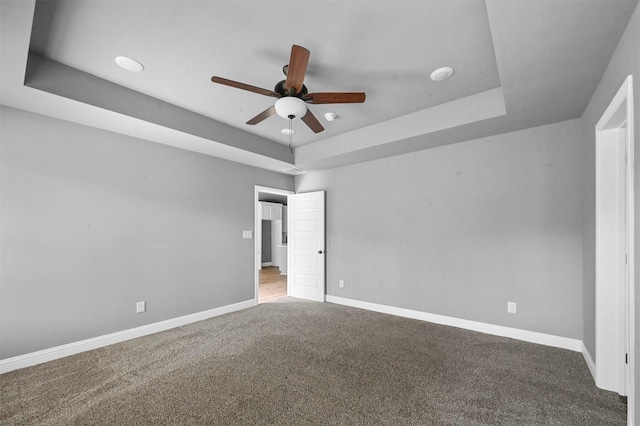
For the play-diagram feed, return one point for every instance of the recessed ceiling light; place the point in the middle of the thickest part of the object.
(330, 116)
(288, 132)
(129, 64)
(442, 74)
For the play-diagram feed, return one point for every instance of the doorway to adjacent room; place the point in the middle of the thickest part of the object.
(271, 244)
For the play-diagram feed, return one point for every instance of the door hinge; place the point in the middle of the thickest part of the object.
(626, 358)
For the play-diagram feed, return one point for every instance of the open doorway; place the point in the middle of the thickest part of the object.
(271, 249)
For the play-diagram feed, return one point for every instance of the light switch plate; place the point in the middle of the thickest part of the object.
(247, 234)
(141, 307)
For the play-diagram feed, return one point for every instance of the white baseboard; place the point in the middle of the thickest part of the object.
(589, 360)
(497, 330)
(57, 352)
(267, 263)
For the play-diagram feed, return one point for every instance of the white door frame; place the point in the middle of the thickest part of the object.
(257, 232)
(614, 302)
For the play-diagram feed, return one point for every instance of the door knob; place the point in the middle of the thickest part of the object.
(319, 251)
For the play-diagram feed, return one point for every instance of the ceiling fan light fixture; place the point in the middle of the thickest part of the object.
(288, 132)
(441, 74)
(291, 107)
(129, 64)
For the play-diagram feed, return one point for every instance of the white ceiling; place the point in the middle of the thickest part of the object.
(518, 64)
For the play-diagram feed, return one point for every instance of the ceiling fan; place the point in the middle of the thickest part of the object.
(293, 95)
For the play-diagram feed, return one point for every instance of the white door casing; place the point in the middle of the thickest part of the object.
(307, 246)
(615, 315)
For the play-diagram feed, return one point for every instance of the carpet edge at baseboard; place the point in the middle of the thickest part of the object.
(50, 354)
(496, 330)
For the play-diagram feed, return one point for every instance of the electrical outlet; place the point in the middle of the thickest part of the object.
(141, 307)
(511, 307)
(341, 283)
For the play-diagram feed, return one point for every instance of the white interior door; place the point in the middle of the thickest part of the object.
(306, 246)
(610, 262)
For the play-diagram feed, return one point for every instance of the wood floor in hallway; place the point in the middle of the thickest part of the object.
(273, 285)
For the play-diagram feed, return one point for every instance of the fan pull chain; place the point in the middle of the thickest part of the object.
(291, 134)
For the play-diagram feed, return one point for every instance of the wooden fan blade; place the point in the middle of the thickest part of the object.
(243, 86)
(335, 98)
(297, 68)
(263, 115)
(312, 122)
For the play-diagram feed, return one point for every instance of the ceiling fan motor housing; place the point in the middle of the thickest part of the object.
(281, 89)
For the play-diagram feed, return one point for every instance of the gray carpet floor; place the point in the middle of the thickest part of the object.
(302, 363)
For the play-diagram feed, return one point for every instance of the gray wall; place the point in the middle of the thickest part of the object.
(94, 221)
(461, 230)
(625, 61)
